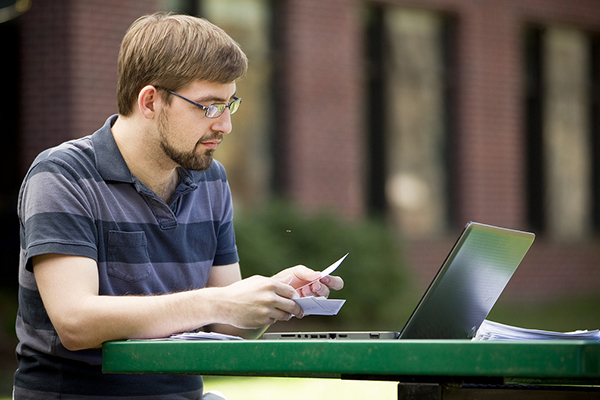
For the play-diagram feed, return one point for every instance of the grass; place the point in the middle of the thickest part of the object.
(300, 388)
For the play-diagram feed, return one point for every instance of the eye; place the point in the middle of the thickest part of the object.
(213, 110)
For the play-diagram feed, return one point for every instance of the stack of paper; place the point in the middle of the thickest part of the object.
(195, 336)
(203, 336)
(494, 331)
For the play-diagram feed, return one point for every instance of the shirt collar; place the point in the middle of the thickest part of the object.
(109, 161)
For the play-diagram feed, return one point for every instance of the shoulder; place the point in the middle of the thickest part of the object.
(59, 172)
(75, 158)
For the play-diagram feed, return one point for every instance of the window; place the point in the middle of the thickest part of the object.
(409, 118)
(560, 77)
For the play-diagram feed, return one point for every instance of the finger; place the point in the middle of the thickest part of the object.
(291, 308)
(306, 291)
(279, 315)
(319, 289)
(299, 312)
(287, 279)
(333, 282)
(303, 275)
(300, 274)
(284, 290)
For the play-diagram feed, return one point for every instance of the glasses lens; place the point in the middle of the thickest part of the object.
(214, 110)
(234, 105)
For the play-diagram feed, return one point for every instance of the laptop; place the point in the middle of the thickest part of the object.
(462, 293)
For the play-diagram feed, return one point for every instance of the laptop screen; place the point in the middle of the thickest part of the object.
(468, 284)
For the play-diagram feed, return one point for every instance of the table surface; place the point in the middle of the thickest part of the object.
(546, 361)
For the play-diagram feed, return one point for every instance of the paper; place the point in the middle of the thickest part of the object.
(321, 305)
(490, 330)
(203, 336)
(196, 336)
(326, 271)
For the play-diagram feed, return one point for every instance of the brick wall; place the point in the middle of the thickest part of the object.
(69, 68)
(324, 160)
(45, 71)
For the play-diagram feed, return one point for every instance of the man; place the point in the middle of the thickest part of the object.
(128, 233)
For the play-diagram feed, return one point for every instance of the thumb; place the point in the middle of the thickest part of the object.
(287, 279)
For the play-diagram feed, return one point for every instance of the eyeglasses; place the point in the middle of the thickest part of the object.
(214, 110)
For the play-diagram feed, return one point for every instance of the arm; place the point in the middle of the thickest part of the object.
(83, 319)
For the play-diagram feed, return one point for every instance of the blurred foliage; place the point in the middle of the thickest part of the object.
(560, 314)
(278, 236)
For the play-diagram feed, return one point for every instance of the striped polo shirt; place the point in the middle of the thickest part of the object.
(81, 199)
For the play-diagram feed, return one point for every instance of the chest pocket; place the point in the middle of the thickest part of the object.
(128, 256)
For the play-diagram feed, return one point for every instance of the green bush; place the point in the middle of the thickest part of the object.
(278, 236)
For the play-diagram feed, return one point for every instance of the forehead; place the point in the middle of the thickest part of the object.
(209, 91)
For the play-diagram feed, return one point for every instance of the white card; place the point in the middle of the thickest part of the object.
(320, 305)
(326, 271)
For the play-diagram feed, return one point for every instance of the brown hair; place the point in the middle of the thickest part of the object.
(172, 51)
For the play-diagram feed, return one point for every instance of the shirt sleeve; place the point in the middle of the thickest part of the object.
(55, 214)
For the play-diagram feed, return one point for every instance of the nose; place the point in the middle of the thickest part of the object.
(222, 123)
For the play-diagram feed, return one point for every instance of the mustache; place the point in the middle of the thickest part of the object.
(211, 137)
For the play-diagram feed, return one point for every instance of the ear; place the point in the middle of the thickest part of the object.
(149, 101)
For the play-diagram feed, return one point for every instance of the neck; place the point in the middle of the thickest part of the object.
(143, 159)
(165, 189)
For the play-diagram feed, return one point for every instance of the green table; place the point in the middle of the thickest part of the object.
(431, 369)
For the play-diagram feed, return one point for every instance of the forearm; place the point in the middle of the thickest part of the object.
(243, 309)
(97, 319)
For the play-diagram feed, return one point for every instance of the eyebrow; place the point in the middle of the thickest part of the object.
(214, 99)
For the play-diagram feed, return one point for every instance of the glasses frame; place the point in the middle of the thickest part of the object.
(204, 108)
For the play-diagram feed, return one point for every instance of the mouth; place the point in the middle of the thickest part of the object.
(211, 142)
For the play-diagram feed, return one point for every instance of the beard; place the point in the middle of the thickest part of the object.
(189, 160)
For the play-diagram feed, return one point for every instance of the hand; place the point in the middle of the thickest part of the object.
(299, 276)
(259, 301)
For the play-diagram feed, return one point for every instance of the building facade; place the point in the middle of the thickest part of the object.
(431, 113)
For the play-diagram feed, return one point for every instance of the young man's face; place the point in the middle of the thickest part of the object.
(187, 136)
